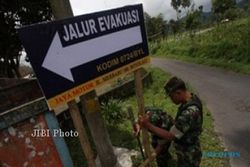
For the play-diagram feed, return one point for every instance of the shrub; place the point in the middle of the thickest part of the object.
(113, 111)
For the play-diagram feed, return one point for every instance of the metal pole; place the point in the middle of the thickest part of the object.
(132, 119)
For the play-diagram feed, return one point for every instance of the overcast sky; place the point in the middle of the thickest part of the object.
(153, 7)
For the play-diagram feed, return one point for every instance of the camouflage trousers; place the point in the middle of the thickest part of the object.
(163, 158)
(188, 156)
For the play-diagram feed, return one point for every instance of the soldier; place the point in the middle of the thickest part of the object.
(162, 120)
(187, 125)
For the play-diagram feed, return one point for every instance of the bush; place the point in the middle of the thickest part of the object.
(113, 111)
(233, 13)
(154, 46)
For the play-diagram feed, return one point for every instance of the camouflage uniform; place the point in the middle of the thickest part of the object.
(162, 120)
(187, 129)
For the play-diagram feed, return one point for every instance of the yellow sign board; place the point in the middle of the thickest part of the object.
(90, 85)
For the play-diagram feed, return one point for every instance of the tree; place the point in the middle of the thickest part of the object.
(149, 25)
(160, 24)
(13, 15)
(175, 26)
(219, 7)
(178, 4)
(247, 7)
(233, 13)
(156, 26)
(193, 20)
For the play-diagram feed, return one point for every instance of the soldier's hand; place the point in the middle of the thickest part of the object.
(144, 121)
(158, 149)
(137, 129)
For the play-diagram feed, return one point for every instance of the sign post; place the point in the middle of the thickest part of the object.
(78, 124)
(73, 56)
(140, 102)
(98, 129)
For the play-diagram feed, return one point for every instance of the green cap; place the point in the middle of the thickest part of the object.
(174, 84)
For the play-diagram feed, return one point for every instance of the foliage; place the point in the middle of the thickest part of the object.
(14, 14)
(178, 4)
(113, 111)
(76, 152)
(193, 20)
(156, 26)
(247, 7)
(74, 146)
(225, 46)
(219, 7)
(233, 13)
(175, 26)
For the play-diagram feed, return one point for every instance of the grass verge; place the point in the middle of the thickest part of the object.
(226, 46)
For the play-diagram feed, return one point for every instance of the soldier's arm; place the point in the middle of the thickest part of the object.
(184, 122)
(158, 149)
(144, 122)
(181, 126)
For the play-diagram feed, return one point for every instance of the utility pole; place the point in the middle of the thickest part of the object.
(61, 9)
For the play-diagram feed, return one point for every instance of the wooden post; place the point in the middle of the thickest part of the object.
(132, 119)
(140, 102)
(98, 129)
(147, 161)
(61, 9)
(77, 120)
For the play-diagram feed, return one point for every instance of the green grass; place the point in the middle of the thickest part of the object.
(75, 149)
(122, 135)
(226, 46)
(76, 152)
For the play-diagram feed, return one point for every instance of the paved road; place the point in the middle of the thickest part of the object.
(227, 96)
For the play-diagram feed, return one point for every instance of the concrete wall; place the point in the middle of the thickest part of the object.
(14, 92)
(23, 109)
